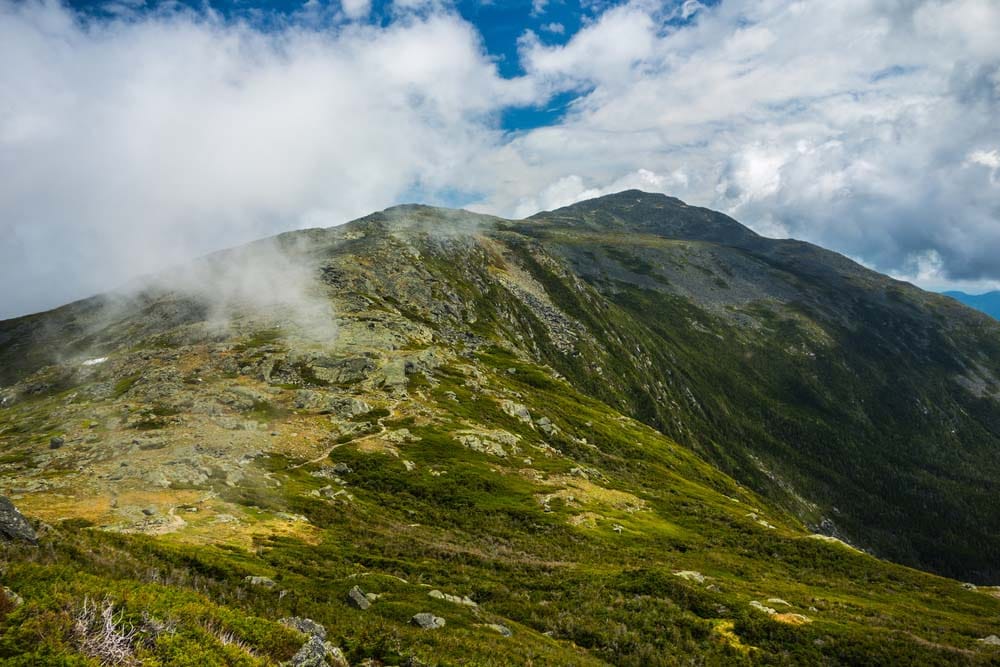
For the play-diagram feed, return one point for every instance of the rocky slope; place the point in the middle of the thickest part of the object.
(513, 427)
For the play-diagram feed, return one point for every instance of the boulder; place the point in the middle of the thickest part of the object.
(690, 575)
(340, 406)
(318, 653)
(454, 599)
(266, 582)
(56, 443)
(306, 626)
(12, 597)
(502, 629)
(358, 598)
(338, 371)
(427, 621)
(13, 526)
(516, 410)
(546, 426)
(991, 640)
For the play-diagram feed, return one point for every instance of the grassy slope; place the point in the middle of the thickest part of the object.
(572, 588)
(480, 530)
(851, 400)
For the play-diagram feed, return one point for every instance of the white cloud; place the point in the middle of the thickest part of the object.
(858, 125)
(356, 9)
(125, 145)
(988, 159)
(129, 145)
(615, 43)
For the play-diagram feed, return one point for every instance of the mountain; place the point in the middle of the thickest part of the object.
(629, 431)
(989, 302)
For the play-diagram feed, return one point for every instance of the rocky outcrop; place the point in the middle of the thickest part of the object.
(427, 621)
(454, 599)
(306, 626)
(316, 652)
(357, 598)
(497, 442)
(13, 526)
(691, 575)
(266, 582)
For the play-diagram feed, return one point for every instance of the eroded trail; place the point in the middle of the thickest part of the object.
(361, 438)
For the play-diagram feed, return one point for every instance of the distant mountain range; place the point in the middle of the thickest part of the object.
(989, 302)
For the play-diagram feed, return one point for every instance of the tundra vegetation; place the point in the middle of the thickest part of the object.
(627, 432)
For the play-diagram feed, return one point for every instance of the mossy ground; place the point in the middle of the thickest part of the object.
(572, 591)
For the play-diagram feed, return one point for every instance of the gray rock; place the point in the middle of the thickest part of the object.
(56, 443)
(149, 511)
(266, 582)
(339, 371)
(546, 426)
(306, 626)
(318, 653)
(357, 598)
(454, 599)
(343, 407)
(762, 607)
(502, 629)
(516, 410)
(13, 597)
(427, 621)
(992, 640)
(13, 525)
(690, 575)
(342, 468)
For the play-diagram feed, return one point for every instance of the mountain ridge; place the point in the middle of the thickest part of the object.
(646, 447)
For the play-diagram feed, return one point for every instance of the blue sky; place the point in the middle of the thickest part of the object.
(136, 135)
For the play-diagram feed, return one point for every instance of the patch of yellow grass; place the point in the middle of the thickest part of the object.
(724, 630)
(222, 523)
(582, 492)
(375, 445)
(791, 619)
(588, 519)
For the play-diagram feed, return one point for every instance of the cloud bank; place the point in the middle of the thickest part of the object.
(132, 143)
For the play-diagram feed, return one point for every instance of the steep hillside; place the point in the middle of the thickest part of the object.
(507, 425)
(867, 406)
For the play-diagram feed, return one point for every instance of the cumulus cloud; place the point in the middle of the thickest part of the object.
(356, 9)
(865, 126)
(132, 143)
(127, 145)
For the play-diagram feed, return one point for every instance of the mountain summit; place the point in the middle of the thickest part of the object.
(628, 431)
(637, 211)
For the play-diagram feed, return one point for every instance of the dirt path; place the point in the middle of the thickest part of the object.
(382, 429)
